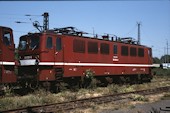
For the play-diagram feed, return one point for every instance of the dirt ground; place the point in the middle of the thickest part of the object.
(144, 108)
(155, 104)
(150, 104)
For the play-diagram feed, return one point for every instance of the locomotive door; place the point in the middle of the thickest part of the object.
(7, 56)
(59, 57)
(1, 55)
(7, 46)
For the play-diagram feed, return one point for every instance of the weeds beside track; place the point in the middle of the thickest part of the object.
(84, 103)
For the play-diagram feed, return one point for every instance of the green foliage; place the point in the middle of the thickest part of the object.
(89, 74)
(89, 79)
(161, 72)
(136, 97)
(8, 91)
(156, 60)
(126, 88)
(16, 53)
(6, 103)
(114, 88)
(41, 96)
(165, 59)
(93, 83)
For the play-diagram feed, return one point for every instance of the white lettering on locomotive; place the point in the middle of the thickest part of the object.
(115, 58)
(142, 69)
(134, 69)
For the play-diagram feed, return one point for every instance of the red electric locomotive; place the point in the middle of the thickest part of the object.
(64, 54)
(7, 62)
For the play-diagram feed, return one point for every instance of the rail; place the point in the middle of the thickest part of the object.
(82, 103)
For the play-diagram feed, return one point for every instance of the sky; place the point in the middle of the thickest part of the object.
(113, 17)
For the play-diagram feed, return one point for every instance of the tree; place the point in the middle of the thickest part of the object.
(156, 60)
(16, 53)
(165, 59)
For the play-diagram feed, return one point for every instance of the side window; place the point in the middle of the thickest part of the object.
(79, 46)
(7, 38)
(58, 44)
(104, 48)
(140, 52)
(92, 47)
(115, 49)
(132, 51)
(150, 52)
(49, 44)
(124, 50)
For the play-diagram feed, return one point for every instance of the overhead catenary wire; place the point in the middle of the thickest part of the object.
(32, 15)
(19, 22)
(130, 31)
(8, 14)
(17, 17)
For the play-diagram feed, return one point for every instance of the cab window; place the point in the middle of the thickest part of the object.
(34, 42)
(23, 43)
(58, 44)
(49, 43)
(7, 38)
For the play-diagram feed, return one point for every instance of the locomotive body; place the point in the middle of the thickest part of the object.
(7, 62)
(50, 56)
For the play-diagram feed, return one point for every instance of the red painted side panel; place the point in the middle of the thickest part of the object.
(72, 57)
(7, 49)
(47, 75)
(8, 75)
(71, 63)
(102, 71)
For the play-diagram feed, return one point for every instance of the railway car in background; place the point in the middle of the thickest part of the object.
(64, 54)
(7, 59)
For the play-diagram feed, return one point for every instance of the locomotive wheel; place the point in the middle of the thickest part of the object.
(139, 78)
(57, 87)
(109, 80)
(33, 85)
(47, 85)
(74, 84)
(145, 78)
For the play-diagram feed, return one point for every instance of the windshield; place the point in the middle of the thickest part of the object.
(7, 38)
(29, 42)
(34, 42)
(23, 43)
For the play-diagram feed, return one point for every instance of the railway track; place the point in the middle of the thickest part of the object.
(83, 103)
